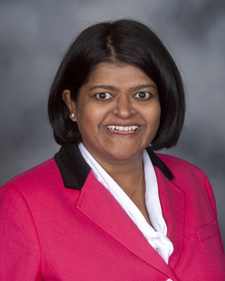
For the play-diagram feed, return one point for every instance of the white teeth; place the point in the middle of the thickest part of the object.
(121, 129)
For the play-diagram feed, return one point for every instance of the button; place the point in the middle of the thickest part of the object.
(157, 250)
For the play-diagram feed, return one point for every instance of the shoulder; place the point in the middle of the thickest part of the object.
(190, 178)
(39, 176)
(173, 162)
(181, 168)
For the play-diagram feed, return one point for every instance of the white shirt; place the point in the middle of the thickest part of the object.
(156, 236)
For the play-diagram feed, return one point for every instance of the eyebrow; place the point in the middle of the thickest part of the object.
(106, 87)
(140, 87)
(112, 88)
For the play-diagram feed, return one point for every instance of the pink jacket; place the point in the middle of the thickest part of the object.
(57, 222)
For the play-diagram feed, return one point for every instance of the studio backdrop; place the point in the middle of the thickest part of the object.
(34, 36)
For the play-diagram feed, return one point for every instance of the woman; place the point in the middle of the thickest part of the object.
(107, 207)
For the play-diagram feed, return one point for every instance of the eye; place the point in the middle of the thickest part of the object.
(103, 96)
(143, 95)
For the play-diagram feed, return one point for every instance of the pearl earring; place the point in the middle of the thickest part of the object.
(73, 115)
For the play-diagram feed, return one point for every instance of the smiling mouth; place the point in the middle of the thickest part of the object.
(122, 129)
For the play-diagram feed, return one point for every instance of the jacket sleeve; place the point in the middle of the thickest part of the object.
(213, 204)
(20, 255)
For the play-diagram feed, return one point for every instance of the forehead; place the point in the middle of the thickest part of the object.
(118, 73)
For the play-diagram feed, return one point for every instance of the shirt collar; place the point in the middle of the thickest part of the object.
(74, 169)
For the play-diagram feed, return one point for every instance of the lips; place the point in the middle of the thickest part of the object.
(122, 129)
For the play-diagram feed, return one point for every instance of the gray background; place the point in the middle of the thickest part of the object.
(34, 35)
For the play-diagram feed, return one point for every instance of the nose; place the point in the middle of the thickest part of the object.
(123, 108)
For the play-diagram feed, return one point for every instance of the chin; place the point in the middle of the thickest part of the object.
(123, 156)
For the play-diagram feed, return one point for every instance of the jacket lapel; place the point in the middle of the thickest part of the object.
(100, 207)
(173, 209)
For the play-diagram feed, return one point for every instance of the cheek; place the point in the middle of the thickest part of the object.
(153, 115)
(89, 117)
(158, 115)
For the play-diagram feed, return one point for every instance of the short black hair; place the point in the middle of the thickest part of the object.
(123, 41)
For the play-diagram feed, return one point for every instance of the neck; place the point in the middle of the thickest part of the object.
(125, 174)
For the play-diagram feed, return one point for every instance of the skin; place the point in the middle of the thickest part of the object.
(118, 95)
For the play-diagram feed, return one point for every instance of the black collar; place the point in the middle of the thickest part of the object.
(74, 169)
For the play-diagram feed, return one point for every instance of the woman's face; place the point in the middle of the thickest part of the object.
(117, 112)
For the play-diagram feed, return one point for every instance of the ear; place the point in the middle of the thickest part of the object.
(66, 96)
